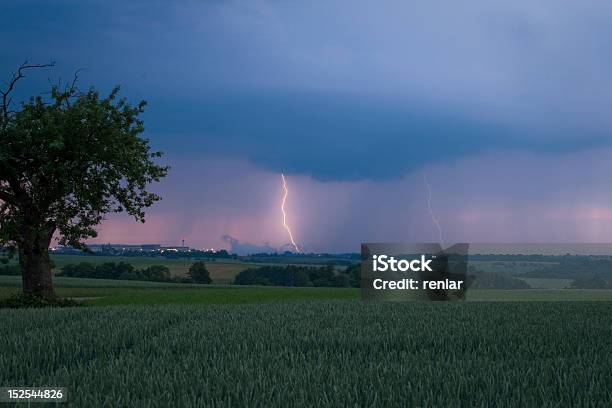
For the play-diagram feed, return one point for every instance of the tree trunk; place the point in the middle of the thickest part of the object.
(36, 265)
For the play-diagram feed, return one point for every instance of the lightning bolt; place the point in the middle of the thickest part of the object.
(431, 212)
(297, 249)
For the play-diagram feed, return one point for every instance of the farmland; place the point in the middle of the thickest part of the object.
(221, 271)
(316, 354)
(153, 344)
(116, 292)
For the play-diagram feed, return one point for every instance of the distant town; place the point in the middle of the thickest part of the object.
(141, 250)
(124, 248)
(184, 251)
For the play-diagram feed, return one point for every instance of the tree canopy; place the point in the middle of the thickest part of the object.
(65, 162)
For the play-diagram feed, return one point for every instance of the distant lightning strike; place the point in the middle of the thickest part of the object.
(431, 212)
(297, 249)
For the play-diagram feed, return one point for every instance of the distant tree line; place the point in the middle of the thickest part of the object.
(302, 258)
(125, 271)
(300, 276)
(579, 267)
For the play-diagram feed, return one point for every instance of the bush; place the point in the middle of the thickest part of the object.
(199, 273)
(158, 273)
(133, 275)
(120, 270)
(22, 301)
(80, 270)
(181, 279)
(303, 276)
(353, 272)
(342, 281)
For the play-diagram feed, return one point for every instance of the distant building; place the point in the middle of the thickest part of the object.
(150, 247)
(60, 249)
(175, 248)
(124, 247)
(120, 248)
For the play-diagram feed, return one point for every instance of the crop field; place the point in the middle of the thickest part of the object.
(325, 353)
(544, 283)
(117, 292)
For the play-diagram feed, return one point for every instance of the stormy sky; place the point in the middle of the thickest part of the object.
(505, 107)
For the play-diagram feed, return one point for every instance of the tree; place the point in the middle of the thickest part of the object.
(65, 162)
(158, 273)
(80, 270)
(199, 273)
(301, 278)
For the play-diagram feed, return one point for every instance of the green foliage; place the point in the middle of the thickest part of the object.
(65, 162)
(296, 275)
(327, 353)
(120, 270)
(158, 273)
(199, 273)
(353, 272)
(21, 301)
(68, 160)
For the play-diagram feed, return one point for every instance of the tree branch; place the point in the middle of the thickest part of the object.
(70, 89)
(11, 85)
(73, 87)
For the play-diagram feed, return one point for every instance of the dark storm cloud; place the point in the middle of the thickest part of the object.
(332, 136)
(338, 92)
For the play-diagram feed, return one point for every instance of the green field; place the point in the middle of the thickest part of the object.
(544, 283)
(150, 344)
(117, 292)
(325, 353)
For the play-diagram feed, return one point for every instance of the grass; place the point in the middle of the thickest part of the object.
(548, 283)
(209, 295)
(539, 295)
(225, 295)
(116, 292)
(326, 353)
(223, 345)
(62, 282)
